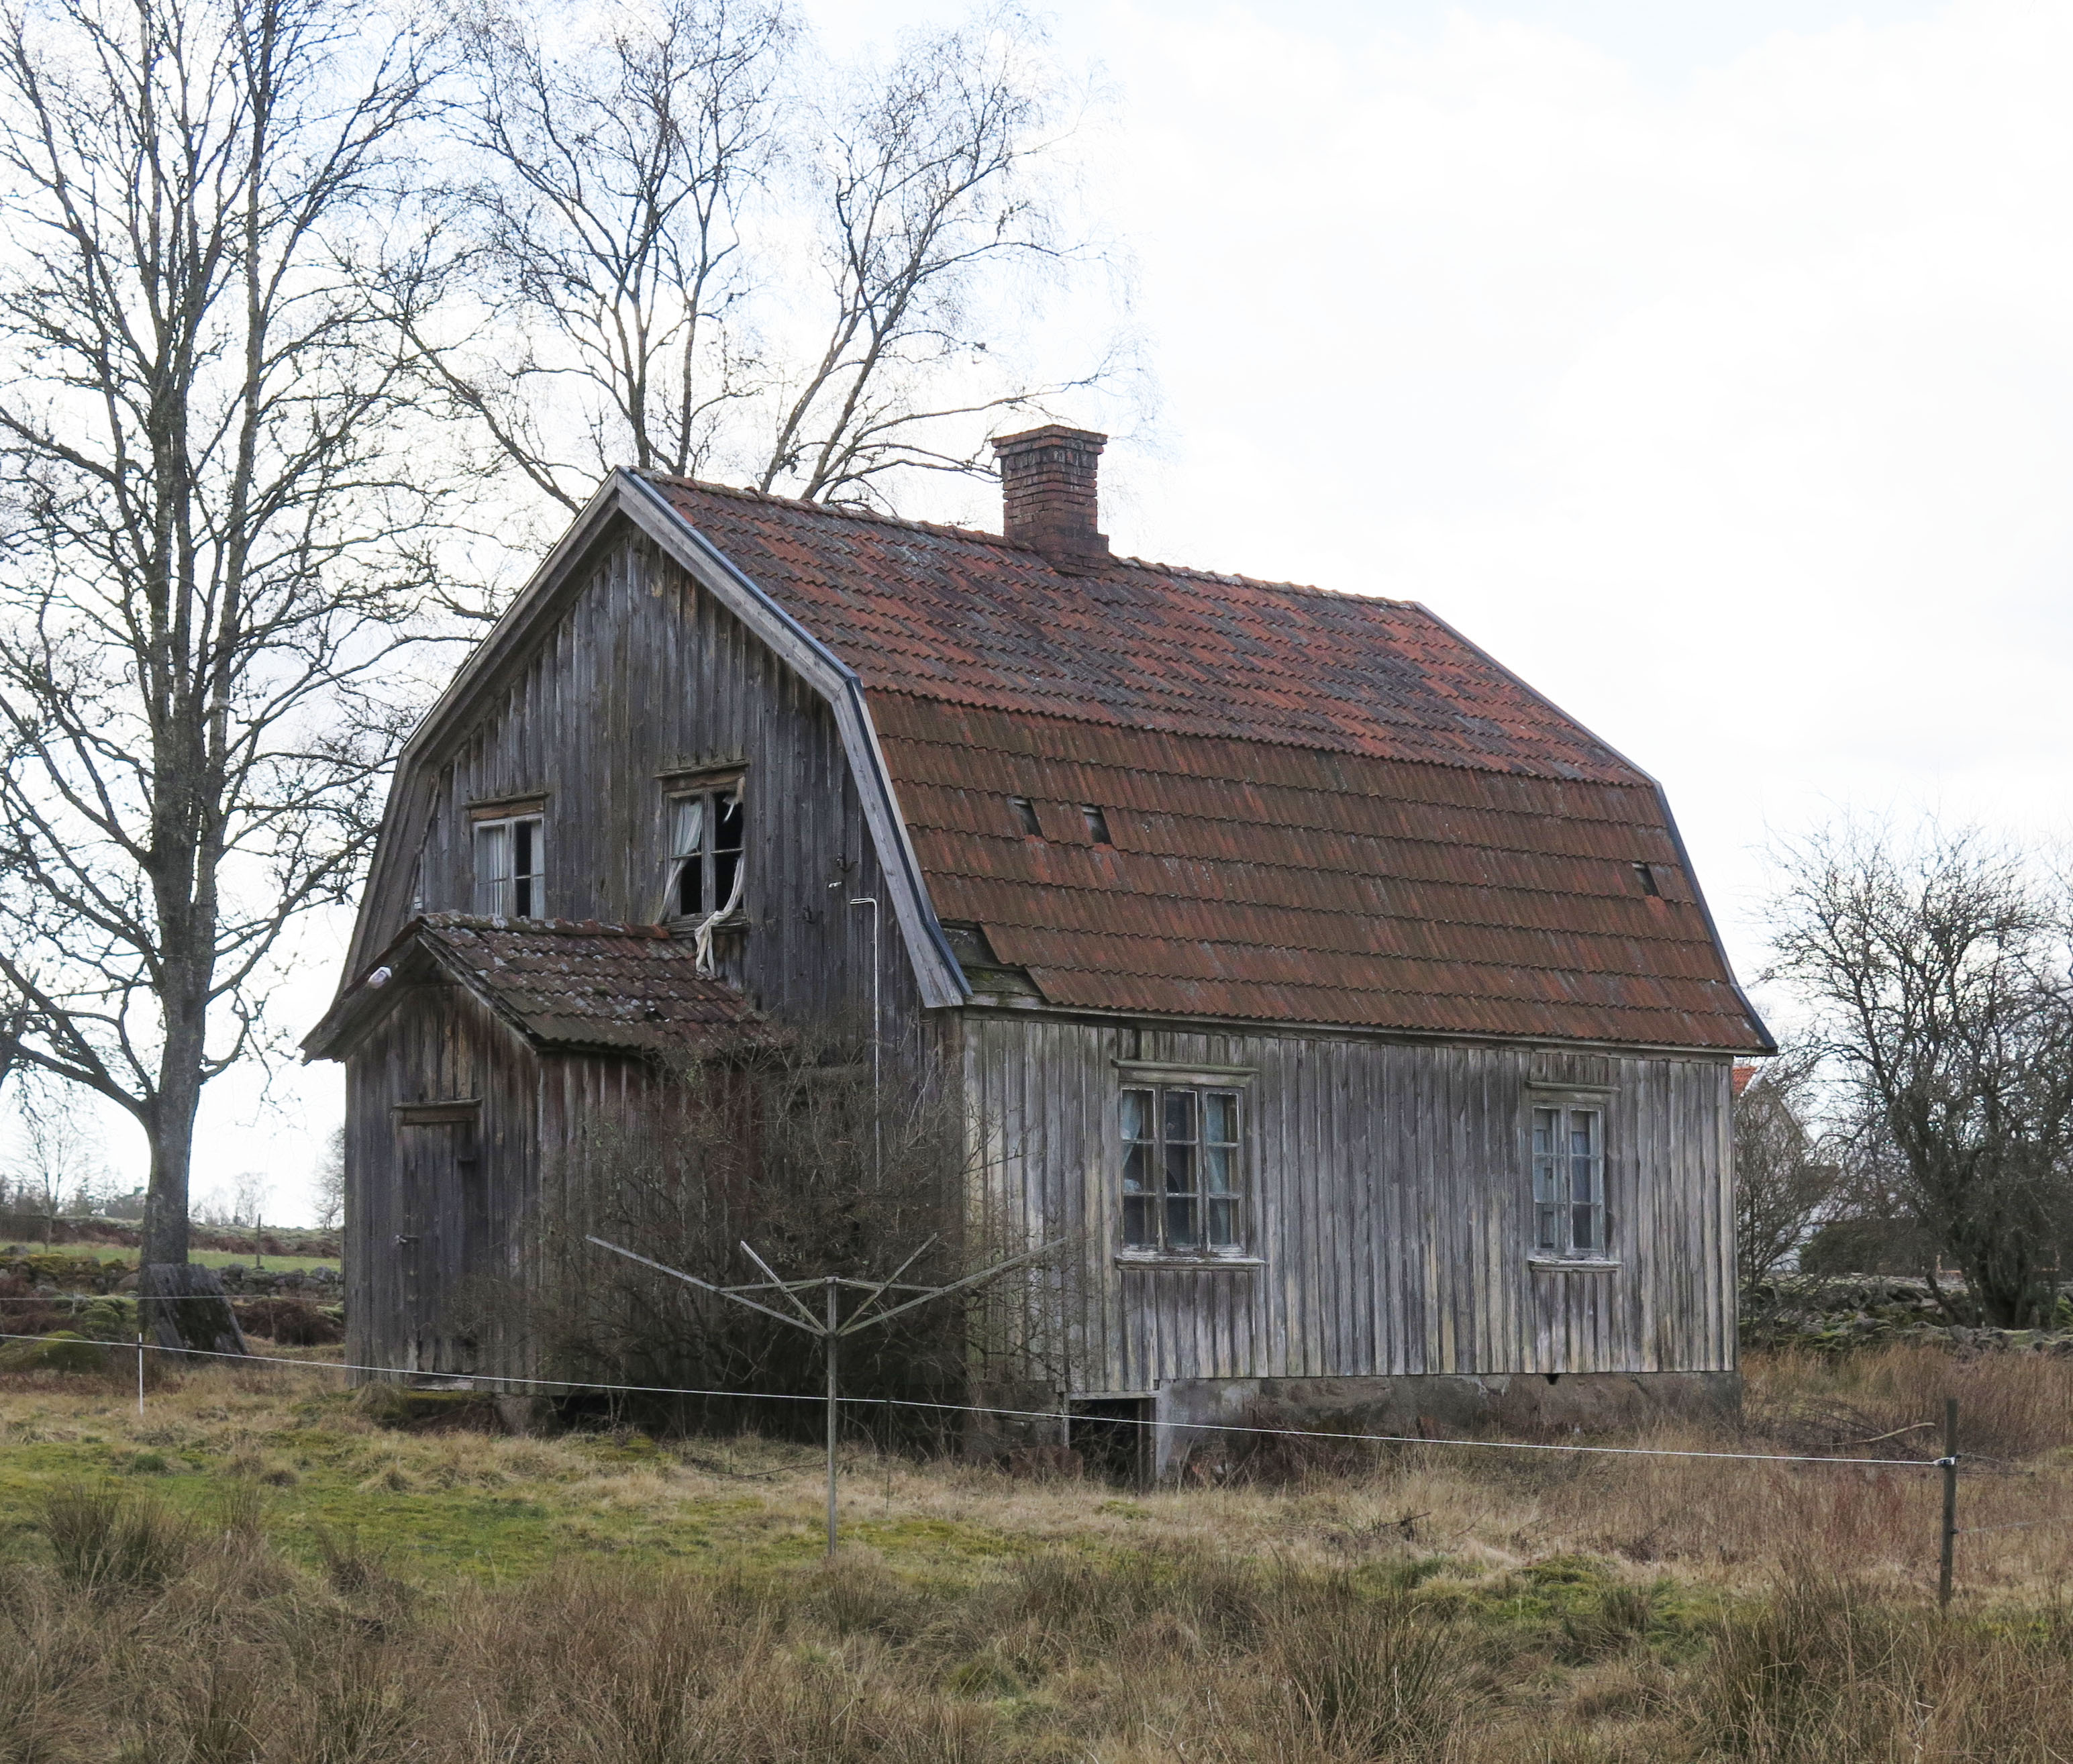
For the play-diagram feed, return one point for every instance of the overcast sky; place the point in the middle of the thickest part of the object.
(1708, 364)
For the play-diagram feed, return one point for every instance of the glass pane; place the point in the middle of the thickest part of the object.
(1583, 1133)
(1220, 1164)
(1545, 1125)
(1180, 1169)
(1583, 1179)
(1546, 1183)
(1137, 1114)
(493, 867)
(1181, 1115)
(1584, 1221)
(1137, 1223)
(1136, 1162)
(1223, 1224)
(1180, 1223)
(688, 834)
(525, 868)
(1220, 1117)
(1549, 1235)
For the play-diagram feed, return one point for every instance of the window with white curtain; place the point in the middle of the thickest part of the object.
(510, 867)
(706, 828)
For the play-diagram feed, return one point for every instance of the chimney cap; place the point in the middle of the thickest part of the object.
(1090, 440)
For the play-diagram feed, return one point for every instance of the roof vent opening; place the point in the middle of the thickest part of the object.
(1025, 815)
(1649, 885)
(1049, 491)
(1097, 824)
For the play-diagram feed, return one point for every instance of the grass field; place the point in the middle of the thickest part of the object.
(261, 1569)
(216, 1258)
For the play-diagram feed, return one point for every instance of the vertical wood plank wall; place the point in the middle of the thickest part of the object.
(1391, 1208)
(643, 674)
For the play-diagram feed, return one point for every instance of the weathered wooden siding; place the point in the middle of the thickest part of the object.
(645, 674)
(1392, 1218)
(428, 1232)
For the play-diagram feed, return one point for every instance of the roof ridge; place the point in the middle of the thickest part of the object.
(848, 511)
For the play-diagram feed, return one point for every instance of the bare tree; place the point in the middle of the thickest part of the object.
(212, 557)
(329, 1186)
(57, 1159)
(666, 277)
(1786, 1179)
(1942, 972)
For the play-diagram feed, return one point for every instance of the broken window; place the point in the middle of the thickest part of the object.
(1097, 823)
(1025, 816)
(1183, 1182)
(510, 868)
(1649, 885)
(705, 851)
(1570, 1182)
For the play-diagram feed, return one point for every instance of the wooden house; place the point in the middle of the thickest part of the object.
(1354, 1011)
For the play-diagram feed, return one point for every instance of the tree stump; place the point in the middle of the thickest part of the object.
(181, 1306)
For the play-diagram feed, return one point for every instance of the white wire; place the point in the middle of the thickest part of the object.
(1035, 1414)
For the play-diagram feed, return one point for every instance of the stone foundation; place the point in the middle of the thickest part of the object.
(1528, 1406)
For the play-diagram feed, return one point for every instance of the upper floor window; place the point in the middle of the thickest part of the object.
(1569, 1180)
(510, 867)
(705, 851)
(1183, 1180)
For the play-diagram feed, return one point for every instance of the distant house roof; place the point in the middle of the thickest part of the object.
(1321, 808)
(561, 983)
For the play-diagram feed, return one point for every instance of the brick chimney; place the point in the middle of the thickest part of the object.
(1048, 493)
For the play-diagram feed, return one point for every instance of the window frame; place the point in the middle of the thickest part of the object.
(1194, 1132)
(1551, 1179)
(711, 790)
(508, 886)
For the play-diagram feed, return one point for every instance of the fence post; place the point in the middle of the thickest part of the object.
(140, 1374)
(1949, 1462)
(832, 1338)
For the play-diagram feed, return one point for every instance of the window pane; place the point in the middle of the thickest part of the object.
(1180, 1116)
(1180, 1169)
(1136, 1168)
(726, 849)
(1545, 1125)
(1220, 1165)
(727, 830)
(1180, 1223)
(524, 868)
(688, 834)
(1585, 1225)
(1137, 1223)
(1549, 1235)
(493, 867)
(1136, 1114)
(1223, 1224)
(1220, 1117)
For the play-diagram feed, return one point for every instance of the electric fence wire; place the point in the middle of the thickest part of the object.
(1034, 1414)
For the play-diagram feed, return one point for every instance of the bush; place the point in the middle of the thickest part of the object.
(62, 1350)
(1371, 1678)
(105, 1541)
(290, 1322)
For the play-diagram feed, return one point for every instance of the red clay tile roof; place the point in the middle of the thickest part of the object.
(1325, 808)
(567, 983)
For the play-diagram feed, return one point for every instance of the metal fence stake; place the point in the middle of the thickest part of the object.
(140, 1375)
(1949, 1463)
(833, 1339)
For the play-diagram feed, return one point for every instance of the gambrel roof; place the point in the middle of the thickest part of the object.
(1324, 809)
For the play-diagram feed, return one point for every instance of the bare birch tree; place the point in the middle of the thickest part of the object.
(1943, 973)
(695, 248)
(210, 562)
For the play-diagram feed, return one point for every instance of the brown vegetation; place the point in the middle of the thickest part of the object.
(316, 1595)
